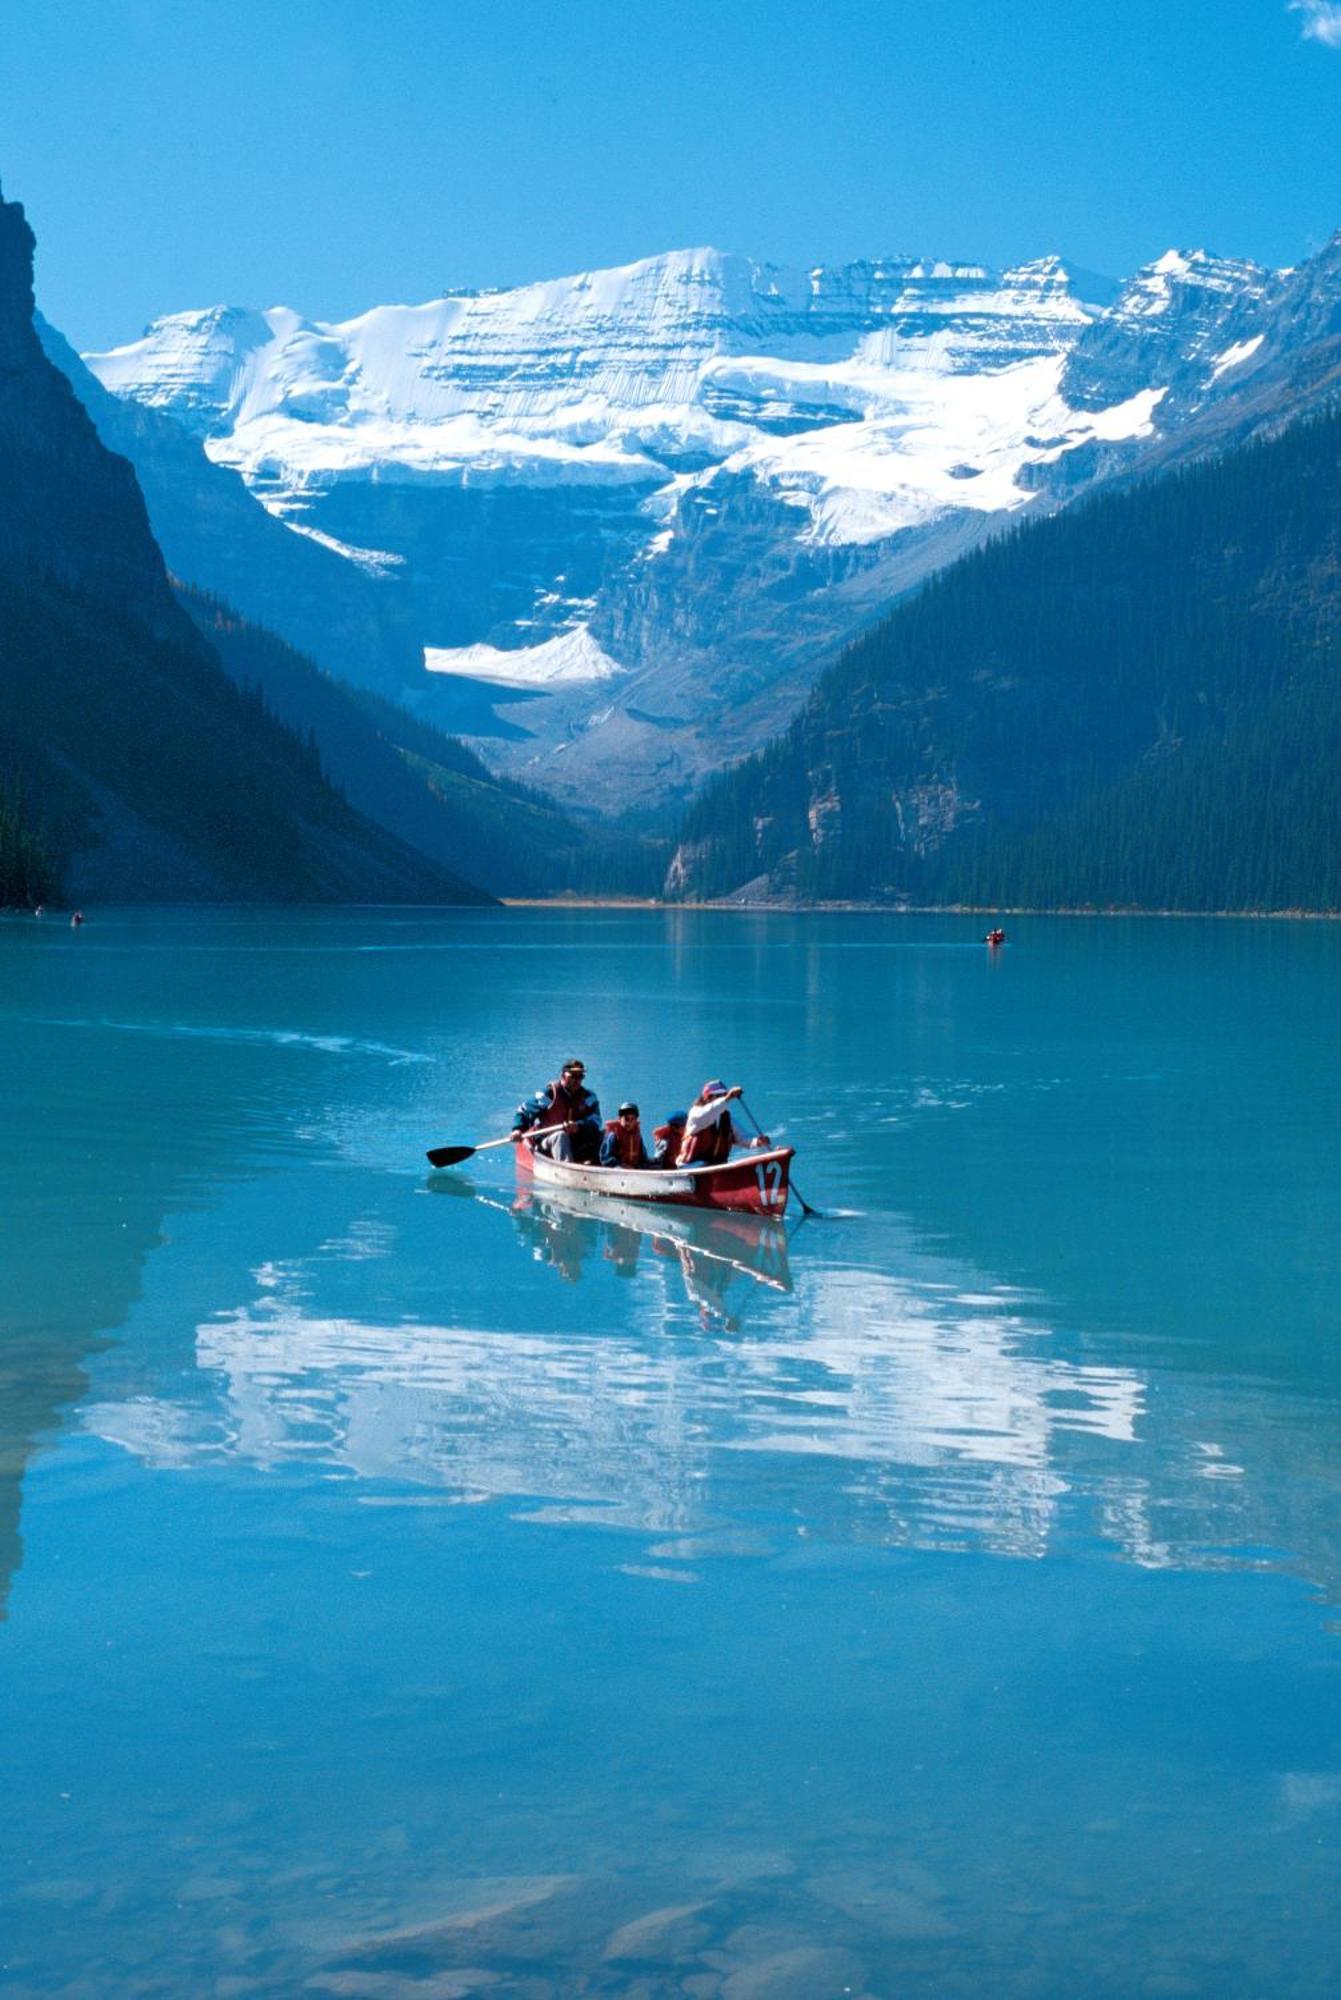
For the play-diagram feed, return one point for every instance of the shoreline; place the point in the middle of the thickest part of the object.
(57, 915)
(779, 909)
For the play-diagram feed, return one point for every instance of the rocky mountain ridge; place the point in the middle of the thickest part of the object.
(209, 527)
(708, 472)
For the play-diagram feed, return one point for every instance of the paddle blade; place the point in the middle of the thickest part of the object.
(448, 1156)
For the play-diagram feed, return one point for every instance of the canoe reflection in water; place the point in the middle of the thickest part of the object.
(717, 1254)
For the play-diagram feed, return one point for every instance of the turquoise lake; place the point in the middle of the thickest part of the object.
(408, 1591)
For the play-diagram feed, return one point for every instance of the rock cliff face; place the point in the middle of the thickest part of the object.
(68, 508)
(716, 471)
(1176, 323)
(148, 772)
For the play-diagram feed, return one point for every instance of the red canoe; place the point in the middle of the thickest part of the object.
(752, 1184)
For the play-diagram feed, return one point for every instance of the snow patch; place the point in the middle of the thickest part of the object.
(378, 562)
(1235, 356)
(565, 660)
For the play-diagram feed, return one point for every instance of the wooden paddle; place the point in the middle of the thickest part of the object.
(806, 1209)
(452, 1156)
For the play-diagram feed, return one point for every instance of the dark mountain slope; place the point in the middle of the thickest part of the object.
(27, 868)
(153, 778)
(1137, 703)
(423, 786)
(149, 774)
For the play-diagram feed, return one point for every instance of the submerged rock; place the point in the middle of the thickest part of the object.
(661, 1934)
(902, 1903)
(809, 1972)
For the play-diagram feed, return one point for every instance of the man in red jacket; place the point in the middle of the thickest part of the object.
(568, 1105)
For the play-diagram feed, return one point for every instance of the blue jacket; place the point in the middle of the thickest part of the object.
(535, 1110)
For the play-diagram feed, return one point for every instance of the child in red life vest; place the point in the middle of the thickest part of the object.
(623, 1145)
(666, 1140)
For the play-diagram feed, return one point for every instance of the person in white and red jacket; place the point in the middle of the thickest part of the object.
(709, 1129)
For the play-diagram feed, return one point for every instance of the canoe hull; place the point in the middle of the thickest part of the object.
(753, 1184)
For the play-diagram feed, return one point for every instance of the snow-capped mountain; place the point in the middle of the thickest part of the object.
(659, 497)
(826, 386)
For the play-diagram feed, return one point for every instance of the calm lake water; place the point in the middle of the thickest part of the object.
(409, 1591)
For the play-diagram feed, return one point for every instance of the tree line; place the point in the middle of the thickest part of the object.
(28, 874)
(1136, 703)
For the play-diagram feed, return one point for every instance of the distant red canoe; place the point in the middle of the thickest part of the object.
(752, 1184)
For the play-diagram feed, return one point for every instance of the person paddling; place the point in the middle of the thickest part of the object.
(623, 1145)
(709, 1131)
(568, 1103)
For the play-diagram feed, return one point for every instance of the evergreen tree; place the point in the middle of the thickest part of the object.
(1134, 704)
(28, 875)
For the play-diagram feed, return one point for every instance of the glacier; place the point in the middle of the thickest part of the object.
(572, 657)
(680, 362)
(659, 497)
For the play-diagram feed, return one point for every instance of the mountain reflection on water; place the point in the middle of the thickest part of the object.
(926, 1409)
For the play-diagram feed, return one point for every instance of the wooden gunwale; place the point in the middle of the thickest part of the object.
(753, 1182)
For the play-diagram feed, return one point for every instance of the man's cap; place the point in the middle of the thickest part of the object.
(627, 1107)
(574, 1062)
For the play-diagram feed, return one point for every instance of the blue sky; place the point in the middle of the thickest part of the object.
(335, 154)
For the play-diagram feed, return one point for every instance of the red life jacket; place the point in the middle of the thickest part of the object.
(628, 1142)
(564, 1108)
(711, 1147)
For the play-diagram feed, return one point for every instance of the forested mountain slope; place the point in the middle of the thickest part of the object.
(144, 770)
(425, 787)
(1134, 704)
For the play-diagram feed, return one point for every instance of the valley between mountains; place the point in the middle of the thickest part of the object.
(656, 501)
(521, 571)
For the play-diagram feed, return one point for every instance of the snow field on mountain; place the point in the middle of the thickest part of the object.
(724, 468)
(612, 377)
(571, 658)
(293, 457)
(930, 442)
